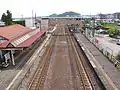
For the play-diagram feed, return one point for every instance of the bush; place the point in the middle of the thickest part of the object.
(114, 33)
(21, 22)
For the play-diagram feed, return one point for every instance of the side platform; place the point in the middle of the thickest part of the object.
(105, 70)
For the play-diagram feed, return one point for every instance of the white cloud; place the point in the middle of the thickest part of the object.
(46, 7)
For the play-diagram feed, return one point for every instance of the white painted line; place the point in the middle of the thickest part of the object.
(42, 52)
(94, 66)
(29, 61)
(8, 88)
(18, 74)
(83, 48)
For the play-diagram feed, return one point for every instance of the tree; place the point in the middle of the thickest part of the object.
(21, 22)
(3, 18)
(7, 18)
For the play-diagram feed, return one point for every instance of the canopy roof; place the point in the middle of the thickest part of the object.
(18, 36)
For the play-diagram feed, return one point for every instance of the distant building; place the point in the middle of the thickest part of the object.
(2, 24)
(109, 16)
(29, 22)
(116, 15)
(102, 16)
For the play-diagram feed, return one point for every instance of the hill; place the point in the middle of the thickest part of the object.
(66, 14)
(53, 15)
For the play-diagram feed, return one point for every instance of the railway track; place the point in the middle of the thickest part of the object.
(38, 79)
(85, 81)
(81, 74)
(89, 78)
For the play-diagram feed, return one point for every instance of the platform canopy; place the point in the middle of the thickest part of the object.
(17, 36)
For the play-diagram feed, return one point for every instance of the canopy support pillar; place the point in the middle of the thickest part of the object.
(12, 57)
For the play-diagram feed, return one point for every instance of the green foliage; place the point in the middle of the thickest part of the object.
(22, 22)
(3, 18)
(114, 33)
(7, 18)
(70, 14)
(110, 26)
(113, 29)
(53, 15)
(87, 21)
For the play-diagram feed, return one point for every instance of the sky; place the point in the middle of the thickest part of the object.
(23, 8)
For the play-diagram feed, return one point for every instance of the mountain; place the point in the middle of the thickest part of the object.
(53, 15)
(66, 14)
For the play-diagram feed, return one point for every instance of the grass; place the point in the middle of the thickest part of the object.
(111, 26)
(113, 29)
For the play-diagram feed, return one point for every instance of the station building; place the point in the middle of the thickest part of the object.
(16, 38)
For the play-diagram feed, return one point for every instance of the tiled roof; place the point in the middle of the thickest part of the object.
(13, 31)
(31, 40)
(19, 36)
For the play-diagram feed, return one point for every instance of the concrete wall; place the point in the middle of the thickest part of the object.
(29, 22)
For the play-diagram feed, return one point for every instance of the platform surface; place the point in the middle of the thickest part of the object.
(107, 66)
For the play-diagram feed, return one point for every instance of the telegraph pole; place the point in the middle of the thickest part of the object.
(40, 24)
(22, 19)
(35, 21)
(93, 31)
(32, 19)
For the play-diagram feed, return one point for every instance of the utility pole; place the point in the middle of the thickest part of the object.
(93, 31)
(22, 19)
(40, 23)
(35, 21)
(32, 19)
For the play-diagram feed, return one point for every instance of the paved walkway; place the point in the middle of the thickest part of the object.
(108, 67)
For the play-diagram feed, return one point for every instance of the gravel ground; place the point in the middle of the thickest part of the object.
(59, 73)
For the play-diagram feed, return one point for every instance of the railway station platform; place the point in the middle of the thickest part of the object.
(106, 71)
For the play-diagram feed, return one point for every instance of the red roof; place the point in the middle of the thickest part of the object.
(31, 40)
(4, 44)
(18, 36)
(13, 31)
